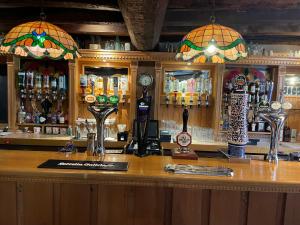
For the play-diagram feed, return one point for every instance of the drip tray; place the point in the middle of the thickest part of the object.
(84, 165)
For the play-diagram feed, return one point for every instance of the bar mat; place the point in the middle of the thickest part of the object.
(84, 165)
(199, 170)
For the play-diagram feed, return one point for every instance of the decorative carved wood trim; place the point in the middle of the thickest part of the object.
(153, 182)
(170, 57)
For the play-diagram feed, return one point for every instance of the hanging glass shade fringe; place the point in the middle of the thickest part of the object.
(212, 43)
(39, 40)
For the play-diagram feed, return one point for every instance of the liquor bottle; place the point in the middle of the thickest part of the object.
(253, 124)
(21, 115)
(54, 87)
(62, 86)
(176, 88)
(29, 83)
(38, 86)
(21, 79)
(167, 89)
(46, 83)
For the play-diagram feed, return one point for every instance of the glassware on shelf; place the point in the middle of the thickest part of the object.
(111, 45)
(106, 47)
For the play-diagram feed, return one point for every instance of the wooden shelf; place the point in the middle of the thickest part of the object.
(42, 125)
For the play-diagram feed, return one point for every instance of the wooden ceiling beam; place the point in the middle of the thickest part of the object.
(105, 29)
(59, 4)
(144, 21)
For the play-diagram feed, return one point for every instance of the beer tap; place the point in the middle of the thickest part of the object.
(275, 116)
(101, 109)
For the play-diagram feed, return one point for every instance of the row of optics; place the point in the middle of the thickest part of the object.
(211, 43)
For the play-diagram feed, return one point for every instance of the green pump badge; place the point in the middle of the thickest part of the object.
(102, 99)
(114, 99)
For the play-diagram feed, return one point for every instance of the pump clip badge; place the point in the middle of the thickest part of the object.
(240, 82)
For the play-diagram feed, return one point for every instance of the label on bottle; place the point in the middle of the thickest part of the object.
(21, 79)
(53, 83)
(21, 117)
(61, 119)
(29, 76)
(83, 81)
(46, 81)
(38, 81)
(62, 82)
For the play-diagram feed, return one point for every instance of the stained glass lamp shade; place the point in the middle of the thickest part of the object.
(39, 39)
(212, 43)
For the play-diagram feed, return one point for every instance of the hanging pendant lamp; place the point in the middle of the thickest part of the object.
(39, 40)
(212, 43)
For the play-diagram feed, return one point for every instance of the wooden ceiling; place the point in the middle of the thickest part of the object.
(147, 21)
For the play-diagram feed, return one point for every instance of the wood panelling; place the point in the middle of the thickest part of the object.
(112, 201)
(37, 203)
(292, 206)
(148, 205)
(190, 207)
(266, 208)
(75, 204)
(228, 208)
(8, 203)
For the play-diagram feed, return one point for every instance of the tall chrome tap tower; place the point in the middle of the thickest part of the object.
(275, 115)
(101, 107)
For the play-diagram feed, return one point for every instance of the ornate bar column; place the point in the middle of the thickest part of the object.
(12, 67)
(158, 81)
(133, 77)
(73, 86)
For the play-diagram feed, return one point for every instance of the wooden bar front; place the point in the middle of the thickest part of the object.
(258, 193)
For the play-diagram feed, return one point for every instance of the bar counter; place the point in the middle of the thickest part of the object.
(258, 193)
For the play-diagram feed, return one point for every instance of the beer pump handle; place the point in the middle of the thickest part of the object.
(185, 117)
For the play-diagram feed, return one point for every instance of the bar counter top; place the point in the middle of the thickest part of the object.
(149, 171)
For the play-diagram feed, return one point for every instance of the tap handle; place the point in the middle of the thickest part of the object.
(185, 117)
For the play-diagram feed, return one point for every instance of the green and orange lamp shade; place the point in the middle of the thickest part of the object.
(40, 40)
(212, 43)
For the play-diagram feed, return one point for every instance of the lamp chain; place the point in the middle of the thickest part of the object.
(42, 13)
(213, 16)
